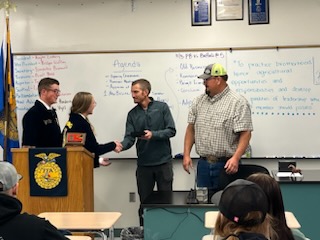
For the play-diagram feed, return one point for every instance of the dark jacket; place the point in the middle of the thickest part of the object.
(14, 225)
(41, 127)
(77, 123)
(158, 119)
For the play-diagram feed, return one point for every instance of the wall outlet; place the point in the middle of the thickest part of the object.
(132, 196)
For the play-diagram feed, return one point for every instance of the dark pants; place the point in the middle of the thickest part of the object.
(208, 176)
(148, 176)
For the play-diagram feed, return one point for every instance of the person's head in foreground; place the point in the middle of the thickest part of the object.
(9, 179)
(243, 208)
(276, 207)
(14, 224)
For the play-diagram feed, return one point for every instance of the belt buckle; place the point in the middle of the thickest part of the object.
(212, 159)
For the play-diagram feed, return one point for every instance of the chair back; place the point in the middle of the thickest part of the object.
(244, 171)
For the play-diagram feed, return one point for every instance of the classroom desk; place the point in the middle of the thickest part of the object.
(301, 196)
(79, 237)
(168, 216)
(84, 221)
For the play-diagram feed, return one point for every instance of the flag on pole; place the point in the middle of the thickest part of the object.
(8, 118)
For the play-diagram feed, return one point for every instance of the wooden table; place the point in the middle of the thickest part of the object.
(84, 221)
(211, 217)
(79, 237)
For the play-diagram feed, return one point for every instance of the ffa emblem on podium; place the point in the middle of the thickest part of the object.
(47, 173)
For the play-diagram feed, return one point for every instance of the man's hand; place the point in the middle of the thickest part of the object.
(147, 135)
(232, 165)
(187, 164)
(118, 147)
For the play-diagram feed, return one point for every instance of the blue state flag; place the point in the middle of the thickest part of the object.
(9, 137)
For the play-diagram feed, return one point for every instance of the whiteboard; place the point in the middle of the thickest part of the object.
(282, 87)
(173, 77)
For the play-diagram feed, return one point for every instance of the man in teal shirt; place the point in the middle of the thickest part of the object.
(152, 124)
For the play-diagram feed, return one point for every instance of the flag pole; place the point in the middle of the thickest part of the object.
(8, 98)
(7, 91)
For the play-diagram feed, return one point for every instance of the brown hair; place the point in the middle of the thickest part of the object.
(45, 83)
(81, 102)
(144, 84)
(276, 208)
(224, 227)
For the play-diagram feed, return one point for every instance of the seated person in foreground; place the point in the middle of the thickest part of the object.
(243, 207)
(276, 208)
(15, 225)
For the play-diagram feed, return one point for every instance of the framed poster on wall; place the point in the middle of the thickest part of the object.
(201, 12)
(229, 10)
(258, 11)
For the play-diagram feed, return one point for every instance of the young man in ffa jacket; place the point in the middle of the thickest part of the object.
(40, 124)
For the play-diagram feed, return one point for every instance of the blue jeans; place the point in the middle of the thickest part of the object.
(208, 174)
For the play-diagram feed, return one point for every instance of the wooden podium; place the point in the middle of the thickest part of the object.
(79, 178)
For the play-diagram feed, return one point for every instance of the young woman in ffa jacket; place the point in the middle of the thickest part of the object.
(83, 104)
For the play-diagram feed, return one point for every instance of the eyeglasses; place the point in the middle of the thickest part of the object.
(56, 91)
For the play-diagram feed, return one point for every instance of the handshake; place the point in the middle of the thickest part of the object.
(118, 147)
(105, 161)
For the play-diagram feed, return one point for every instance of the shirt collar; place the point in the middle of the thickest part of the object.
(82, 115)
(46, 105)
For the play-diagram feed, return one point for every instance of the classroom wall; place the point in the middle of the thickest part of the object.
(96, 25)
(92, 25)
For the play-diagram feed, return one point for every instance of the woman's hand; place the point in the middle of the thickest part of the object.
(105, 162)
